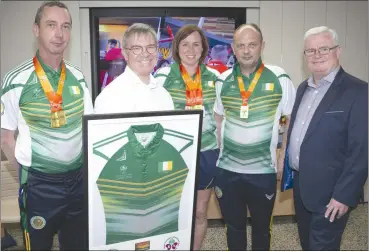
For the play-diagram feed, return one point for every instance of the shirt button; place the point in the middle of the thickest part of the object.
(303, 123)
(309, 107)
(316, 91)
(297, 157)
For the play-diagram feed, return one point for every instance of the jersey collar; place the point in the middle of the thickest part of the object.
(138, 149)
(175, 66)
(237, 70)
(48, 70)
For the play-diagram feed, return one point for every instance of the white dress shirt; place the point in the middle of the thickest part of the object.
(127, 93)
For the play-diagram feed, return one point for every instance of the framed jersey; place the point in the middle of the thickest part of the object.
(140, 179)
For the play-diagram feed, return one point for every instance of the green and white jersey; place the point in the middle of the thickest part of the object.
(25, 107)
(249, 145)
(142, 181)
(171, 79)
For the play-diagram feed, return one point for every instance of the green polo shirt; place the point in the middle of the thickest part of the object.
(26, 108)
(142, 182)
(171, 78)
(249, 144)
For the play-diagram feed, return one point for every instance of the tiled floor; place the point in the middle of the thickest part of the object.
(284, 236)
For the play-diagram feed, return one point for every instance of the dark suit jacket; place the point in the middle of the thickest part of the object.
(334, 152)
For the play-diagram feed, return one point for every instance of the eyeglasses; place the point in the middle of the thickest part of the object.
(322, 51)
(137, 50)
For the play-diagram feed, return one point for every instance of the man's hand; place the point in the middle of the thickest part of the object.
(335, 208)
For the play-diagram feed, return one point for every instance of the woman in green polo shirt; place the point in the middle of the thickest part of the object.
(191, 85)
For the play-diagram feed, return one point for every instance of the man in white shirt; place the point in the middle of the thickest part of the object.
(135, 90)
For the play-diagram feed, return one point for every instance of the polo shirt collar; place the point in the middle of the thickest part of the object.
(134, 79)
(139, 150)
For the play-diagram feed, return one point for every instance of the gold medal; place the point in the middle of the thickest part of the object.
(244, 111)
(57, 115)
(245, 95)
(58, 119)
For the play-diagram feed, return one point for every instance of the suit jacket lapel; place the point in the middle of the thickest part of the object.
(324, 104)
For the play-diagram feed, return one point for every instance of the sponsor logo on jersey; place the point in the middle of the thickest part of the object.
(171, 243)
(38, 222)
(142, 245)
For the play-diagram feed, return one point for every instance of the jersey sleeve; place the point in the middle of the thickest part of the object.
(87, 100)
(218, 105)
(288, 95)
(10, 106)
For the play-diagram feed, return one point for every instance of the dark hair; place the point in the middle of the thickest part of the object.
(183, 33)
(40, 10)
(112, 41)
(255, 26)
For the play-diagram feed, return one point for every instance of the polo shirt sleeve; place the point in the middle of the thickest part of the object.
(288, 94)
(168, 101)
(161, 76)
(218, 105)
(87, 100)
(10, 95)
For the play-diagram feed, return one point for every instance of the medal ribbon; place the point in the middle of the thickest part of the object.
(193, 87)
(246, 95)
(55, 99)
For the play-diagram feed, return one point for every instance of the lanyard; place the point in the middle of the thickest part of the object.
(193, 87)
(55, 99)
(246, 95)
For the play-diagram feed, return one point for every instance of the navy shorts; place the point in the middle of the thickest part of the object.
(208, 169)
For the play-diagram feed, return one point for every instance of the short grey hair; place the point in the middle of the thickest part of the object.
(322, 29)
(138, 28)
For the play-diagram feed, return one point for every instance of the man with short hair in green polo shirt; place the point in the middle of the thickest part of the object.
(251, 98)
(44, 99)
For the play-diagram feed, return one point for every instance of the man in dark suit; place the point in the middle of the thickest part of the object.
(327, 143)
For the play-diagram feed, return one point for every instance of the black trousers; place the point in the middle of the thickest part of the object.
(50, 204)
(236, 192)
(316, 232)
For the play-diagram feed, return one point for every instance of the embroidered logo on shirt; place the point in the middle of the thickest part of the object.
(38, 222)
(165, 166)
(211, 84)
(268, 86)
(269, 197)
(74, 90)
(123, 157)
